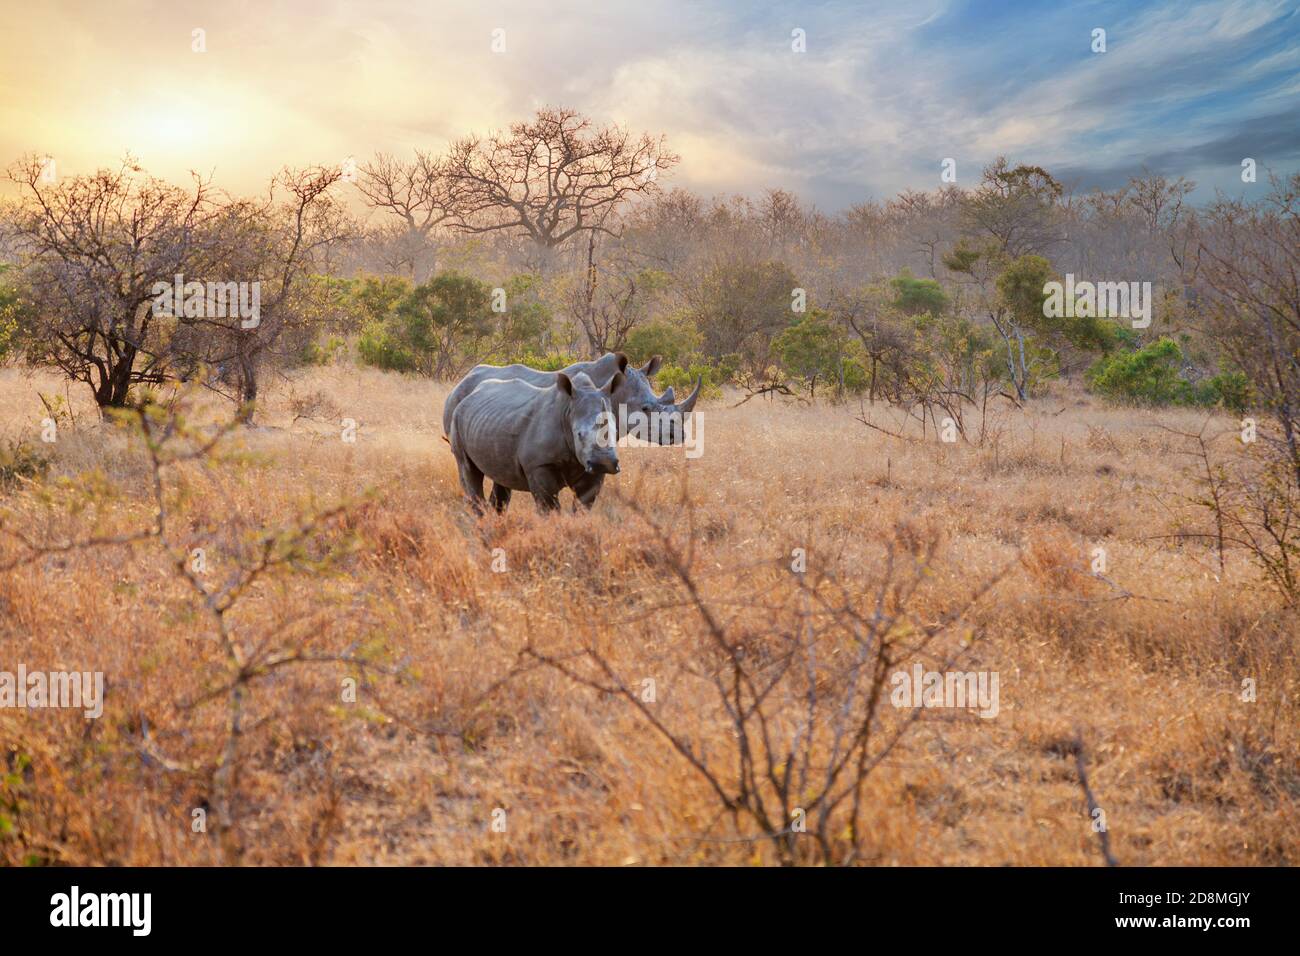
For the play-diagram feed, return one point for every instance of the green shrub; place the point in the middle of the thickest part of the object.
(324, 353)
(811, 349)
(675, 341)
(682, 379)
(379, 346)
(855, 375)
(547, 362)
(12, 309)
(1149, 376)
(8, 333)
(433, 329)
(913, 296)
(1230, 390)
(1152, 375)
(371, 298)
(520, 331)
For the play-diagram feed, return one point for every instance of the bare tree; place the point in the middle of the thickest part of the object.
(928, 220)
(92, 250)
(552, 177)
(665, 231)
(420, 195)
(1159, 200)
(612, 297)
(97, 249)
(867, 314)
(1016, 206)
(781, 218)
(276, 243)
(802, 703)
(244, 654)
(740, 306)
(1249, 277)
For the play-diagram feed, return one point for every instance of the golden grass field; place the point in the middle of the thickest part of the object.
(1146, 666)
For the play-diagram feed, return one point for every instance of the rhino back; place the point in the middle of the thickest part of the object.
(600, 371)
(481, 373)
(508, 426)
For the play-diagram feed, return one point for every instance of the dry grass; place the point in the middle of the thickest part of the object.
(1147, 665)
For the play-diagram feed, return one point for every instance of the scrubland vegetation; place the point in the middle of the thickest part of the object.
(455, 717)
(315, 653)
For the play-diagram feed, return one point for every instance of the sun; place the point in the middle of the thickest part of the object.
(173, 125)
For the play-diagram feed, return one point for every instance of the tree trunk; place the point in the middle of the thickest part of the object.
(424, 257)
(115, 386)
(1024, 372)
(595, 336)
(1285, 412)
(1011, 369)
(247, 358)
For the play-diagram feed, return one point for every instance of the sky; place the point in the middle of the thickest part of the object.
(881, 95)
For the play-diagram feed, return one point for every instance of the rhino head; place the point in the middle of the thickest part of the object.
(640, 412)
(592, 432)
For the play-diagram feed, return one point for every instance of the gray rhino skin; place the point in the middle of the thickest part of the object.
(631, 390)
(537, 439)
(634, 393)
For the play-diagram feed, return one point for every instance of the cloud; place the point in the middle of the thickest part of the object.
(882, 95)
(1273, 141)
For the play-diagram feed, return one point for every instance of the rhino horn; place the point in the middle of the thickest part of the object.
(689, 404)
(668, 397)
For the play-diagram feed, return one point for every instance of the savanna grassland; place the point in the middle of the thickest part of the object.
(502, 663)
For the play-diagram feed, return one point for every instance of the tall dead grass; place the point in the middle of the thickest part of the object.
(478, 753)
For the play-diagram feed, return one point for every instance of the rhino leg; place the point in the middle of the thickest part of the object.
(545, 484)
(587, 488)
(471, 479)
(500, 497)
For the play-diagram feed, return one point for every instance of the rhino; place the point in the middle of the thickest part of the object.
(633, 403)
(534, 438)
(662, 417)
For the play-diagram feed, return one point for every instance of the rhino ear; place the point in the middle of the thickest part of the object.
(621, 357)
(652, 366)
(614, 383)
(563, 384)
